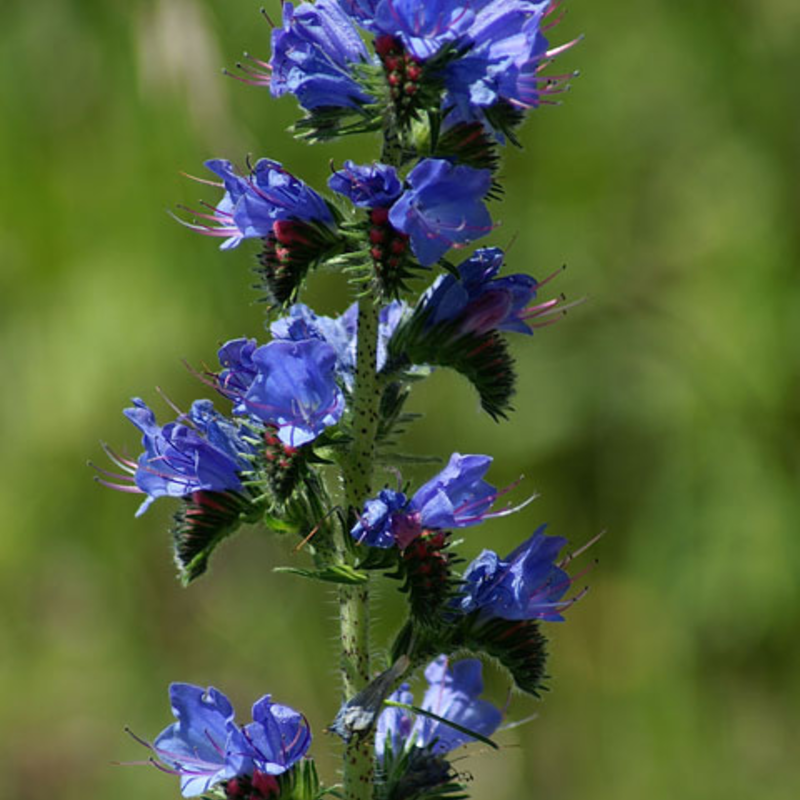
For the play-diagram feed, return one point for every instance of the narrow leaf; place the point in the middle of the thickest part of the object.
(450, 724)
(334, 574)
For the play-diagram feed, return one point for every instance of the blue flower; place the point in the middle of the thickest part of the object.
(506, 46)
(312, 56)
(373, 186)
(454, 694)
(381, 517)
(179, 460)
(238, 370)
(527, 584)
(252, 206)
(443, 208)
(296, 389)
(423, 28)
(457, 497)
(478, 301)
(301, 324)
(341, 333)
(205, 747)
(278, 738)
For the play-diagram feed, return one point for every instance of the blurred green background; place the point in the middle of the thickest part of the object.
(665, 410)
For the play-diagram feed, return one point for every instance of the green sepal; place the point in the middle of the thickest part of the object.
(202, 522)
(518, 645)
(416, 773)
(484, 359)
(283, 524)
(302, 783)
(335, 573)
(392, 421)
(505, 118)
(380, 558)
(426, 569)
(287, 257)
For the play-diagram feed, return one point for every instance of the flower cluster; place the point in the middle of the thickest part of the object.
(320, 404)
(206, 747)
(471, 61)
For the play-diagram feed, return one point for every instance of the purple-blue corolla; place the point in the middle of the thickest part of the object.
(478, 301)
(206, 747)
(202, 451)
(253, 204)
(442, 208)
(312, 56)
(341, 333)
(454, 694)
(527, 584)
(457, 497)
(295, 389)
(423, 28)
(372, 186)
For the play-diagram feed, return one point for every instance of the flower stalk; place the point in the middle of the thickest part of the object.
(446, 85)
(354, 600)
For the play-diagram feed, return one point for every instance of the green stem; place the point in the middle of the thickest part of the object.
(359, 758)
(354, 600)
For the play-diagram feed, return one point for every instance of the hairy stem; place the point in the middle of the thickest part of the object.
(354, 600)
(357, 470)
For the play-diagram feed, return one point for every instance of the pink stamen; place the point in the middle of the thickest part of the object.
(118, 487)
(557, 51)
(217, 184)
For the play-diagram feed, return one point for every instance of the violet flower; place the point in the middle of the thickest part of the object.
(443, 208)
(253, 205)
(529, 583)
(454, 694)
(312, 54)
(295, 389)
(205, 747)
(202, 451)
(458, 497)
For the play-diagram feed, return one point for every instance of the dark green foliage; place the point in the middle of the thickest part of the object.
(393, 421)
(425, 567)
(302, 783)
(517, 644)
(506, 119)
(483, 359)
(201, 523)
(280, 466)
(289, 252)
(335, 573)
(325, 124)
(416, 773)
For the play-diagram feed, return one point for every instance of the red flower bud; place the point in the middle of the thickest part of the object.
(379, 216)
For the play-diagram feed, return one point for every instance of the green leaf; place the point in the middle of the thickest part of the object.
(336, 573)
(450, 724)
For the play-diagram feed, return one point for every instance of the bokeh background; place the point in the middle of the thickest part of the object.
(665, 410)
